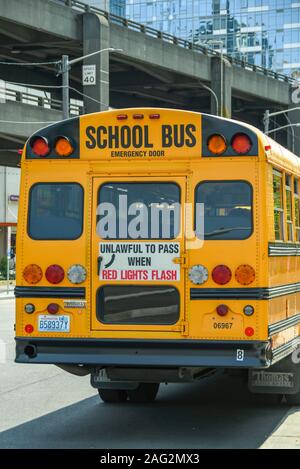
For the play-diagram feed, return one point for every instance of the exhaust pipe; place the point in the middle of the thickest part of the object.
(30, 351)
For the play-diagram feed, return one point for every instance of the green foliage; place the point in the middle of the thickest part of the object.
(3, 267)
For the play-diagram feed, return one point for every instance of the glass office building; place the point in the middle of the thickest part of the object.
(262, 32)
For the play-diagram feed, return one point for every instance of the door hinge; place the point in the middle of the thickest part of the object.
(184, 328)
(182, 260)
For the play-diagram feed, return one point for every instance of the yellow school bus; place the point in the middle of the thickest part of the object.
(159, 245)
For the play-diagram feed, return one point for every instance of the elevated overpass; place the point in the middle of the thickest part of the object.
(153, 69)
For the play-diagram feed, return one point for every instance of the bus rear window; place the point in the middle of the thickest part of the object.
(55, 211)
(227, 209)
(138, 210)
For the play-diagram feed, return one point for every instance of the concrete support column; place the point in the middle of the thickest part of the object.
(293, 138)
(216, 85)
(96, 37)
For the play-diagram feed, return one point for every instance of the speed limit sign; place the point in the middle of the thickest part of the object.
(89, 75)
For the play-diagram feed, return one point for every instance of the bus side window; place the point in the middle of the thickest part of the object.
(297, 208)
(289, 207)
(278, 205)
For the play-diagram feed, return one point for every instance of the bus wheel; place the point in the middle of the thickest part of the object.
(112, 395)
(145, 392)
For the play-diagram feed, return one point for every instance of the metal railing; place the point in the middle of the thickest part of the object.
(13, 95)
(120, 21)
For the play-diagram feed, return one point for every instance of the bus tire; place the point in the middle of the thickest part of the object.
(145, 392)
(112, 396)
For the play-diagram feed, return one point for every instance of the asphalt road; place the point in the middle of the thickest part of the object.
(44, 407)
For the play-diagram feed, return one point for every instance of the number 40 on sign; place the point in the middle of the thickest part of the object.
(89, 75)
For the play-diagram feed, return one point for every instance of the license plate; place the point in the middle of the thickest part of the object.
(54, 324)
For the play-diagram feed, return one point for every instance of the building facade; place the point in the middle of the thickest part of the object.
(9, 201)
(261, 32)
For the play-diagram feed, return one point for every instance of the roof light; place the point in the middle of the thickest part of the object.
(32, 274)
(217, 144)
(122, 117)
(53, 308)
(63, 146)
(241, 144)
(245, 274)
(138, 116)
(198, 274)
(154, 116)
(221, 274)
(76, 274)
(40, 146)
(222, 310)
(55, 274)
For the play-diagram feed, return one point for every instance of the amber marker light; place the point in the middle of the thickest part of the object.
(32, 274)
(63, 147)
(245, 274)
(217, 144)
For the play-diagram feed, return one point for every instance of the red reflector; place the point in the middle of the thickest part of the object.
(249, 331)
(221, 274)
(53, 308)
(268, 147)
(55, 274)
(29, 328)
(138, 116)
(241, 144)
(222, 310)
(122, 117)
(20, 151)
(40, 146)
(154, 116)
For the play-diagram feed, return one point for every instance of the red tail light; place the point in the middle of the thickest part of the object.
(53, 308)
(55, 274)
(222, 310)
(241, 144)
(221, 274)
(40, 146)
(249, 331)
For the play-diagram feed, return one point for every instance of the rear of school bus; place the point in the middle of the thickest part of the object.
(107, 284)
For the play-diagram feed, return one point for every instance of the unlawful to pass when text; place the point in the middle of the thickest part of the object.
(139, 261)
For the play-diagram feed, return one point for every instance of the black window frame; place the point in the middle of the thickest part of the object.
(143, 182)
(98, 301)
(29, 209)
(225, 181)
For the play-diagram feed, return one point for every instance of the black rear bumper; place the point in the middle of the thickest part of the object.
(144, 353)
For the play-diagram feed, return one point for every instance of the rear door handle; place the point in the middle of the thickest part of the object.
(99, 260)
